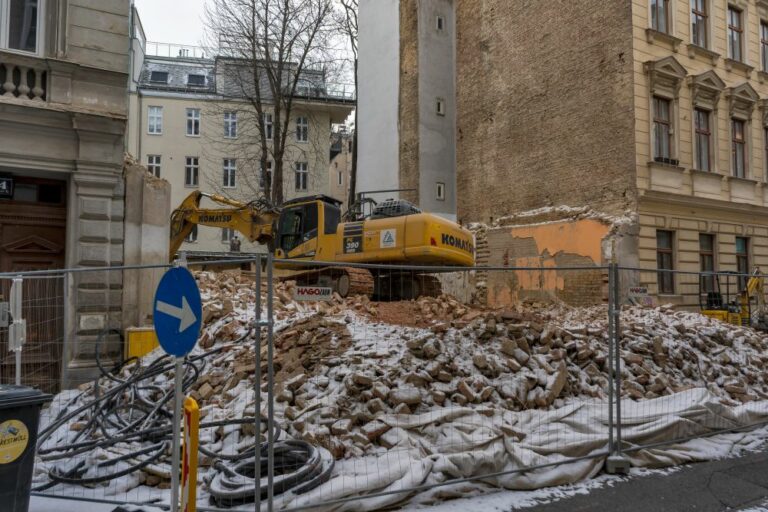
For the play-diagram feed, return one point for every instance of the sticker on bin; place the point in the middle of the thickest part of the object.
(14, 438)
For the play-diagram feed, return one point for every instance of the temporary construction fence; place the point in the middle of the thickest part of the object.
(409, 394)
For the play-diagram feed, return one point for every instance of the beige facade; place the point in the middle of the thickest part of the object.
(218, 145)
(340, 169)
(683, 198)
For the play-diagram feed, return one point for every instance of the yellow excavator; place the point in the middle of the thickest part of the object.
(747, 308)
(311, 229)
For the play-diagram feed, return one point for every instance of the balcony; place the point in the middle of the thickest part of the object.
(23, 78)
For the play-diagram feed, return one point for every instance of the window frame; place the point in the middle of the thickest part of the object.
(302, 129)
(155, 165)
(440, 191)
(230, 122)
(196, 121)
(663, 275)
(150, 117)
(654, 9)
(301, 175)
(700, 133)
(737, 29)
(700, 17)
(764, 44)
(229, 173)
(340, 178)
(439, 23)
(710, 256)
(264, 174)
(205, 80)
(192, 167)
(670, 127)
(226, 235)
(269, 125)
(742, 257)
(191, 238)
(5, 32)
(440, 106)
(743, 142)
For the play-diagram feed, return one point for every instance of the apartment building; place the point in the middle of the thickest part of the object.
(652, 112)
(63, 190)
(188, 125)
(340, 170)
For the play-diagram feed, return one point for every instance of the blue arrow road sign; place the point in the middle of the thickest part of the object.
(178, 312)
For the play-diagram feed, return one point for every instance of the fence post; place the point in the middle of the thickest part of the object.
(611, 425)
(270, 392)
(616, 463)
(18, 329)
(257, 386)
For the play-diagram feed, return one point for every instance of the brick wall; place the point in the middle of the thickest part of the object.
(545, 106)
(409, 99)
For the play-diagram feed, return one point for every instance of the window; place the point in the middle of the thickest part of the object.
(267, 126)
(707, 260)
(341, 178)
(665, 261)
(742, 260)
(266, 177)
(155, 120)
(230, 125)
(350, 146)
(21, 25)
(153, 165)
(192, 236)
(662, 130)
(301, 176)
(440, 106)
(703, 139)
(699, 29)
(227, 234)
(660, 15)
(440, 23)
(764, 44)
(738, 148)
(192, 171)
(160, 77)
(196, 80)
(440, 191)
(193, 122)
(735, 34)
(230, 168)
(302, 129)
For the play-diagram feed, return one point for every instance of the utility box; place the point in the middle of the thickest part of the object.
(19, 419)
(140, 341)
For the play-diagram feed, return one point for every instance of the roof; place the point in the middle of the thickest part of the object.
(318, 197)
(178, 70)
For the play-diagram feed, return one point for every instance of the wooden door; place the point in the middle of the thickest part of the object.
(33, 237)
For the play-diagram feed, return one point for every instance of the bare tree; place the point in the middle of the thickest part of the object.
(348, 22)
(271, 52)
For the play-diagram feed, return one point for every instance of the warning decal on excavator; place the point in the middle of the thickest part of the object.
(353, 238)
(388, 238)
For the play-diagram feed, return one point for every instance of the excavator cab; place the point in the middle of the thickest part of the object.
(721, 304)
(304, 227)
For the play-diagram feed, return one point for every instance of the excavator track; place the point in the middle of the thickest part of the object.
(346, 281)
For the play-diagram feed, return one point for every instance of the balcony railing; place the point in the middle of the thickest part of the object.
(182, 51)
(22, 78)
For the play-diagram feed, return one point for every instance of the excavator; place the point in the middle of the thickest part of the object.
(748, 307)
(311, 229)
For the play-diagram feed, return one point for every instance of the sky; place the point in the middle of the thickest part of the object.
(172, 21)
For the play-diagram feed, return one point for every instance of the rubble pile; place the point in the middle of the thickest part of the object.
(342, 365)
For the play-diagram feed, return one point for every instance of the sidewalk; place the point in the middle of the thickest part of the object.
(730, 484)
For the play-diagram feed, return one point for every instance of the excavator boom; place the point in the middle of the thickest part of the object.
(254, 221)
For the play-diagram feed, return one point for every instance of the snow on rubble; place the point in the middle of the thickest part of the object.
(410, 393)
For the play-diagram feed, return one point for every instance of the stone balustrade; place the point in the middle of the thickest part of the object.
(22, 77)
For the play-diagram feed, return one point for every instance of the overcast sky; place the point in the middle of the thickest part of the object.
(172, 21)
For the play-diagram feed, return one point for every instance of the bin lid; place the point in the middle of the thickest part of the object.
(15, 396)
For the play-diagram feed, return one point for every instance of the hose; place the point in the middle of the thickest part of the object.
(131, 404)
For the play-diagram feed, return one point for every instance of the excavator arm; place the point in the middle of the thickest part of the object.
(254, 221)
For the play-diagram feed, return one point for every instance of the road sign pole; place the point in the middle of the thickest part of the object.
(176, 435)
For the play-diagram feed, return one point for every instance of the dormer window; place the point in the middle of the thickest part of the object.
(196, 80)
(158, 77)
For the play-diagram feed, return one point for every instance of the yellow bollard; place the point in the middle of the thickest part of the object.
(189, 456)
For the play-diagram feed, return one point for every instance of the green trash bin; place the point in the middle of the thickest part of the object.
(19, 417)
